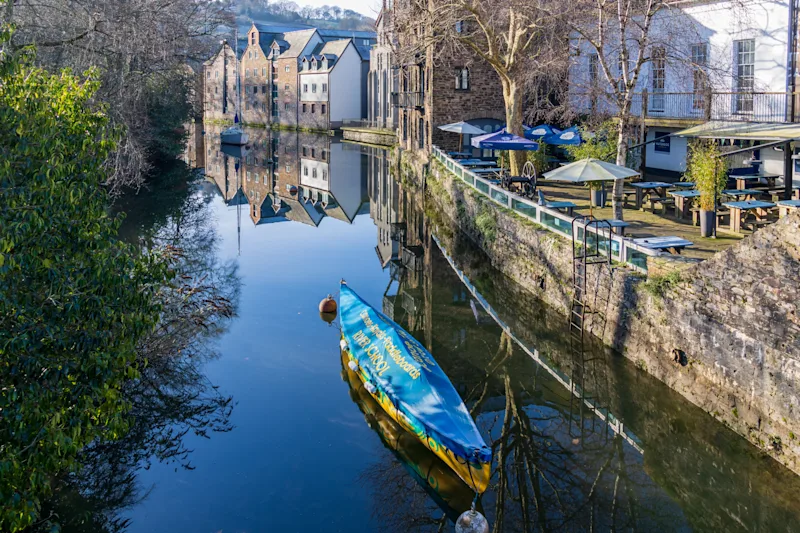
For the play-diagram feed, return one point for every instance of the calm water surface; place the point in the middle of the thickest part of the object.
(304, 451)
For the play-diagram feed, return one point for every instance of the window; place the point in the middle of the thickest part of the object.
(255, 89)
(216, 90)
(305, 87)
(249, 176)
(324, 155)
(286, 106)
(462, 79)
(208, 75)
(313, 152)
(288, 168)
(745, 73)
(324, 87)
(304, 108)
(263, 89)
(305, 151)
(658, 77)
(699, 77)
(216, 75)
(253, 38)
(305, 170)
(288, 68)
(365, 42)
(249, 54)
(313, 87)
(247, 73)
(263, 72)
(593, 68)
(286, 87)
(460, 26)
(324, 175)
(313, 172)
(256, 180)
(322, 110)
(263, 106)
(313, 106)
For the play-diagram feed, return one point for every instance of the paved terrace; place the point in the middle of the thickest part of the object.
(643, 223)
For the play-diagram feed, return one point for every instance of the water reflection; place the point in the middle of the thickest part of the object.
(579, 444)
(173, 397)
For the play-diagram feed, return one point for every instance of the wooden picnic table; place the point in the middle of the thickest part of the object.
(459, 155)
(482, 171)
(645, 187)
(742, 179)
(778, 192)
(618, 226)
(746, 194)
(683, 201)
(785, 206)
(473, 163)
(740, 209)
(683, 184)
(567, 207)
(673, 245)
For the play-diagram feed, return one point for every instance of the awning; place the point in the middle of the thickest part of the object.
(754, 131)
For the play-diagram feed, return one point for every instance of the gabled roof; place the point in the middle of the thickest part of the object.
(358, 38)
(297, 41)
(331, 50)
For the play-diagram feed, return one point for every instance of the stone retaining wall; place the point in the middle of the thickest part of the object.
(369, 136)
(724, 333)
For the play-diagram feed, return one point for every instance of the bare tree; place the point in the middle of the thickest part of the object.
(140, 47)
(520, 39)
(622, 37)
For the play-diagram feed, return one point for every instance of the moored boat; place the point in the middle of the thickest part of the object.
(449, 492)
(405, 380)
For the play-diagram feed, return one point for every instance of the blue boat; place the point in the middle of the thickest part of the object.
(400, 374)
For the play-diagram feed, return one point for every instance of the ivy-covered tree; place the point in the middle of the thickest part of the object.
(75, 302)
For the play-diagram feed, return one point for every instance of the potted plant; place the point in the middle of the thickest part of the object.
(709, 173)
(597, 192)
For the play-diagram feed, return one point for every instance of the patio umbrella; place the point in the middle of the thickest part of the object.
(462, 128)
(570, 136)
(590, 169)
(541, 131)
(501, 140)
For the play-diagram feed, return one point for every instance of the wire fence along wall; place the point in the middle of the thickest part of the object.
(623, 250)
(700, 106)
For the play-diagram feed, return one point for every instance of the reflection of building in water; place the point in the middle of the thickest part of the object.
(289, 176)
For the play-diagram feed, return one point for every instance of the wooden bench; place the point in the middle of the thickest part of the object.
(652, 200)
(628, 194)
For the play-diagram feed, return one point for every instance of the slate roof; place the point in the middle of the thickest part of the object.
(297, 41)
(357, 36)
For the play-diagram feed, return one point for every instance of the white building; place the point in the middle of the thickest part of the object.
(709, 61)
(330, 85)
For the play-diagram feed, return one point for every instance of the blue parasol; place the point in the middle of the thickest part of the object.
(501, 140)
(541, 131)
(570, 136)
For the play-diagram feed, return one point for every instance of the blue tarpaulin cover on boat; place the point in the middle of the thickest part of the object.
(402, 368)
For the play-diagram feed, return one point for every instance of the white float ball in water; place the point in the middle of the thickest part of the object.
(472, 522)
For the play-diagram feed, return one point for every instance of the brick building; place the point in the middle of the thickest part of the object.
(219, 87)
(432, 90)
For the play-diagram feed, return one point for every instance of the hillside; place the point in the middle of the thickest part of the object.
(286, 12)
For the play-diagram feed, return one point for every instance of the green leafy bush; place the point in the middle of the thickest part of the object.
(707, 170)
(75, 301)
(600, 143)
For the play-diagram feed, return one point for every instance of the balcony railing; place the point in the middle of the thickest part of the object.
(408, 100)
(698, 106)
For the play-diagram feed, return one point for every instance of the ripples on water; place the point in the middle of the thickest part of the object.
(305, 450)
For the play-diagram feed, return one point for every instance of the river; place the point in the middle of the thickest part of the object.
(590, 444)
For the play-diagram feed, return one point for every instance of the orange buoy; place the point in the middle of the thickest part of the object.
(328, 305)
(328, 317)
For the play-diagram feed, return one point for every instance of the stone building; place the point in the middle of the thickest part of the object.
(382, 77)
(432, 90)
(219, 87)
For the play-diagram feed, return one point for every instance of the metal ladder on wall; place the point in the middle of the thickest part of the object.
(587, 250)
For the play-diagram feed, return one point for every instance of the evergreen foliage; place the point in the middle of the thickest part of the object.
(74, 301)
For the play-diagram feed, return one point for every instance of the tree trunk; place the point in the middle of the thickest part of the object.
(512, 96)
(622, 156)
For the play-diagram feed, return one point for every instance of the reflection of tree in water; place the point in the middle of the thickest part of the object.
(173, 398)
